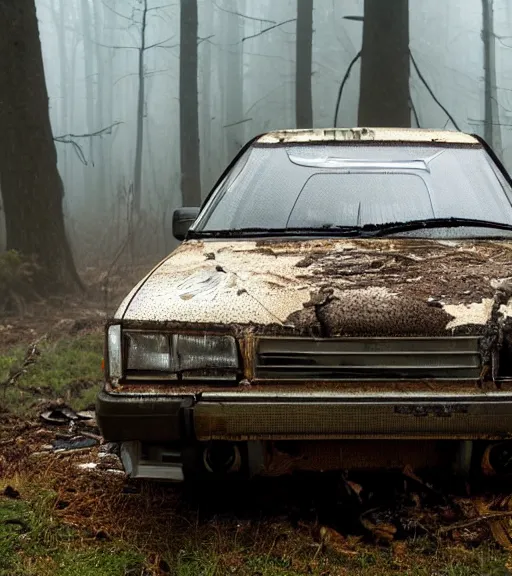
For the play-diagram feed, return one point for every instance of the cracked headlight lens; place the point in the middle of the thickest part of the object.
(204, 352)
(180, 353)
(148, 352)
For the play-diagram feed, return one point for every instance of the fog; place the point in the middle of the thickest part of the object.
(246, 85)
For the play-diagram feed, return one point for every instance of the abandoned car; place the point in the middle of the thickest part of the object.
(343, 299)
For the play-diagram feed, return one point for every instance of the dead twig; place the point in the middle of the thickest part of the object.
(30, 358)
(473, 521)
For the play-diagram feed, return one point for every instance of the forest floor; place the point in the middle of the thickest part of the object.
(67, 509)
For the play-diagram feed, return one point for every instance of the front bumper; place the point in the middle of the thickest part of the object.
(295, 416)
(268, 415)
(144, 417)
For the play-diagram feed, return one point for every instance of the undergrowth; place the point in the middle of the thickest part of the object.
(67, 369)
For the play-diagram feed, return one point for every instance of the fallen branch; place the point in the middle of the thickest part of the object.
(29, 359)
(473, 521)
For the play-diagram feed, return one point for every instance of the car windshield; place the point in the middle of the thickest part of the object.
(319, 186)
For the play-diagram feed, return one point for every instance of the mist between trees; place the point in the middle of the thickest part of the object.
(149, 100)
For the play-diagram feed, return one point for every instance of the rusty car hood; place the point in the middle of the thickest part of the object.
(349, 287)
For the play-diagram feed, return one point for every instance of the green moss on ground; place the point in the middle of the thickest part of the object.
(67, 369)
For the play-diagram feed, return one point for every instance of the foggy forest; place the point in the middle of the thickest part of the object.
(149, 101)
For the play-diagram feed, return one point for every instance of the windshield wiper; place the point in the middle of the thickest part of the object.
(327, 230)
(365, 231)
(410, 226)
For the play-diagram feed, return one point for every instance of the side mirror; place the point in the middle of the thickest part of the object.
(182, 220)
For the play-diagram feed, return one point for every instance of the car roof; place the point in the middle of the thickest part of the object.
(398, 135)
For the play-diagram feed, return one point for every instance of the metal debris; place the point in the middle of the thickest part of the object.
(74, 443)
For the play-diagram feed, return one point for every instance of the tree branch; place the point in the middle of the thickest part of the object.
(156, 44)
(117, 47)
(205, 39)
(473, 521)
(160, 7)
(242, 15)
(267, 29)
(117, 13)
(106, 130)
(342, 85)
(76, 147)
(414, 112)
(237, 123)
(436, 100)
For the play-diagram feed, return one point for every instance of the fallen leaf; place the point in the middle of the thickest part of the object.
(382, 532)
(500, 527)
(334, 541)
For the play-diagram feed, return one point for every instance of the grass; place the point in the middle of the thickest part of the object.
(102, 531)
(67, 369)
(34, 543)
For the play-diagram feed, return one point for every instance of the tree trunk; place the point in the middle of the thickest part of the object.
(59, 18)
(108, 102)
(303, 65)
(233, 80)
(31, 186)
(139, 144)
(189, 123)
(384, 85)
(206, 105)
(101, 187)
(90, 188)
(492, 130)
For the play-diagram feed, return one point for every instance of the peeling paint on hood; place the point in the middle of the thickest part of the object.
(371, 287)
(477, 313)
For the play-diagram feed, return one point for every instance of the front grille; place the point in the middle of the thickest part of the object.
(368, 358)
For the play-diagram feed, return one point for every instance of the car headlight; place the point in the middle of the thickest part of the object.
(115, 366)
(148, 352)
(180, 353)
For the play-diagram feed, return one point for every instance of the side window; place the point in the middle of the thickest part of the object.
(223, 187)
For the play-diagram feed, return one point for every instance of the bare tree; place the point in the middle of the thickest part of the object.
(101, 97)
(59, 18)
(206, 107)
(233, 78)
(141, 22)
(189, 122)
(31, 187)
(303, 63)
(384, 84)
(139, 143)
(492, 130)
(90, 187)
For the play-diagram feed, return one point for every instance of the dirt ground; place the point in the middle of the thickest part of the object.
(67, 508)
